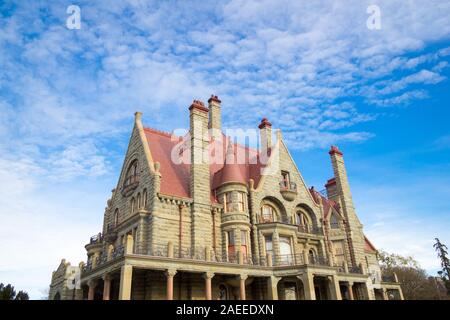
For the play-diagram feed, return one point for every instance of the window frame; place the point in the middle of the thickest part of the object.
(264, 215)
(285, 179)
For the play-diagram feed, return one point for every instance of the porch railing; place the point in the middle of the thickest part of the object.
(203, 254)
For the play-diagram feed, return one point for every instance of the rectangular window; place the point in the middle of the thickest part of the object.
(244, 243)
(339, 253)
(231, 248)
(228, 202)
(241, 205)
(243, 237)
(231, 238)
(285, 179)
(269, 246)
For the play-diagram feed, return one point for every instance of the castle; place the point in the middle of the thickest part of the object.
(203, 217)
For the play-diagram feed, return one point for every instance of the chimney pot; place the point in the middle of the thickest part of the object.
(264, 123)
(335, 150)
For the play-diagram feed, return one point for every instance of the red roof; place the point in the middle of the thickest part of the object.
(327, 203)
(368, 246)
(175, 176)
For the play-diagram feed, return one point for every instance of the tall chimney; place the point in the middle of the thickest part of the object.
(199, 182)
(343, 196)
(265, 131)
(215, 117)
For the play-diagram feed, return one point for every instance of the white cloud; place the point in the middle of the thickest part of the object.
(68, 96)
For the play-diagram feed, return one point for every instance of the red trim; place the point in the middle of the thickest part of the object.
(214, 98)
(330, 182)
(197, 104)
(264, 123)
(335, 150)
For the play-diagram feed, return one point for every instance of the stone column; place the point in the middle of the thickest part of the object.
(400, 292)
(170, 249)
(170, 274)
(106, 287)
(366, 291)
(335, 291)
(350, 291)
(208, 290)
(272, 288)
(126, 276)
(129, 244)
(91, 284)
(385, 295)
(242, 279)
(308, 285)
(110, 252)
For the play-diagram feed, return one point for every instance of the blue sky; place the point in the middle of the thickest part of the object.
(67, 99)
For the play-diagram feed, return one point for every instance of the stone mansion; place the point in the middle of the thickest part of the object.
(190, 219)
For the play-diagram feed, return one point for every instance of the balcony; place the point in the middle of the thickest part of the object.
(130, 184)
(288, 260)
(95, 244)
(318, 260)
(309, 229)
(288, 190)
(98, 238)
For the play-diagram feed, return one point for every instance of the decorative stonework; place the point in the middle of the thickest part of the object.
(220, 232)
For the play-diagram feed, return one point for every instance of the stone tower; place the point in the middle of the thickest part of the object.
(339, 190)
(199, 183)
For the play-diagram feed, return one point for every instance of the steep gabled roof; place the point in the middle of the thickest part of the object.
(368, 246)
(327, 204)
(243, 166)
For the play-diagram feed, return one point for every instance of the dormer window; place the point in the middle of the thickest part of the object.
(334, 222)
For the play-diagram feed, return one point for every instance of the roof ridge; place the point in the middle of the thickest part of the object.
(160, 132)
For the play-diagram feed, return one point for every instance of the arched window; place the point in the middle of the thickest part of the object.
(303, 221)
(312, 256)
(144, 199)
(139, 205)
(132, 174)
(267, 214)
(334, 222)
(116, 217)
(132, 205)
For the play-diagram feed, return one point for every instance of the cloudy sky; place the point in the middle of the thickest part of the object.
(314, 68)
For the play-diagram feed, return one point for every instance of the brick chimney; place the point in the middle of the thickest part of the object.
(215, 117)
(265, 132)
(199, 183)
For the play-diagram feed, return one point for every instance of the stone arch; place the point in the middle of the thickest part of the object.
(280, 210)
(305, 209)
(57, 296)
(132, 172)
